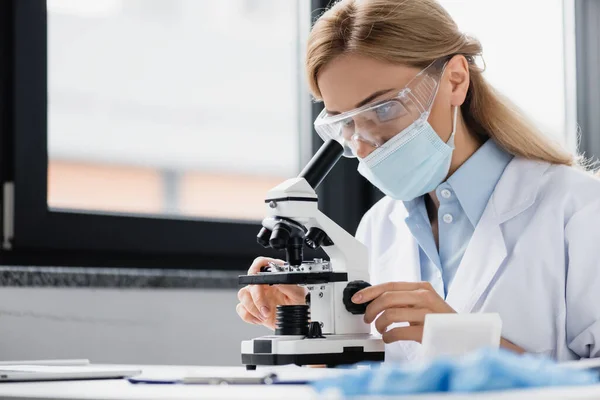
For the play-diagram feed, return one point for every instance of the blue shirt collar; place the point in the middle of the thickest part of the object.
(475, 180)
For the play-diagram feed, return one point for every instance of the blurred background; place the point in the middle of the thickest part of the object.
(173, 106)
(139, 138)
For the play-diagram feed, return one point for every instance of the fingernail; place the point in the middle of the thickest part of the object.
(356, 298)
(264, 311)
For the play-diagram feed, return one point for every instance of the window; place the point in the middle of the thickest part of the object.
(184, 108)
(147, 132)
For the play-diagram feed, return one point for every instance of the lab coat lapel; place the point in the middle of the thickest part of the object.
(481, 261)
(515, 192)
(403, 260)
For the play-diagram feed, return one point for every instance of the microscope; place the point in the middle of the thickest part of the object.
(329, 329)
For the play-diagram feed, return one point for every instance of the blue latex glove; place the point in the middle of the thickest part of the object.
(481, 371)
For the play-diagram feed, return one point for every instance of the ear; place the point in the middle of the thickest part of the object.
(457, 71)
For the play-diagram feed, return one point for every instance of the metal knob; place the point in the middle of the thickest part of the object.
(349, 291)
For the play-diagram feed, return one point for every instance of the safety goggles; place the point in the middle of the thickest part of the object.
(374, 124)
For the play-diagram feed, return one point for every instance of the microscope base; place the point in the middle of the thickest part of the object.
(332, 350)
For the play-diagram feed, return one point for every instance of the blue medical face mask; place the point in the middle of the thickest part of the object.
(412, 163)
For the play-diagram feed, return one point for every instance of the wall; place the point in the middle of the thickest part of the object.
(191, 327)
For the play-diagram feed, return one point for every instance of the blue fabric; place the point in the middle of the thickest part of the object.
(463, 198)
(485, 370)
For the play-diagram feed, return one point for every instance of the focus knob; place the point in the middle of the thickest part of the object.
(349, 291)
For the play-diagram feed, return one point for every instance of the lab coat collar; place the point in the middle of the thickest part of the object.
(514, 193)
(518, 188)
(475, 180)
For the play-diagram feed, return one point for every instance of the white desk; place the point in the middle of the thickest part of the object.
(122, 389)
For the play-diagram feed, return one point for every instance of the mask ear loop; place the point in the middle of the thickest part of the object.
(450, 141)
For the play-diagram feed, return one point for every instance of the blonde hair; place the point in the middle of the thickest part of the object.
(416, 33)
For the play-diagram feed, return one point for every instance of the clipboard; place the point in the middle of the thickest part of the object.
(274, 375)
(40, 373)
(266, 379)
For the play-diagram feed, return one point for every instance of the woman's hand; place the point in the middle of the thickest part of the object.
(406, 302)
(258, 302)
(401, 302)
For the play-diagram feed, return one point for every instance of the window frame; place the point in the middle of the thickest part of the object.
(587, 52)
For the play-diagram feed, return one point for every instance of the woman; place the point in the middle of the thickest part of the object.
(482, 214)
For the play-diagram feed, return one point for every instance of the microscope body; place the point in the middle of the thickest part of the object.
(334, 333)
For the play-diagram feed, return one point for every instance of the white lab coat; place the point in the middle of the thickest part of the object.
(534, 258)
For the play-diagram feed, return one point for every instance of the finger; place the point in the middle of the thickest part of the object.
(372, 292)
(394, 315)
(260, 262)
(414, 333)
(245, 315)
(270, 324)
(260, 300)
(246, 300)
(391, 300)
(295, 293)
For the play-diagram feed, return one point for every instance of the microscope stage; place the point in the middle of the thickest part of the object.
(292, 278)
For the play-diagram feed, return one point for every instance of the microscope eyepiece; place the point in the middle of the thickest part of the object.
(322, 162)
